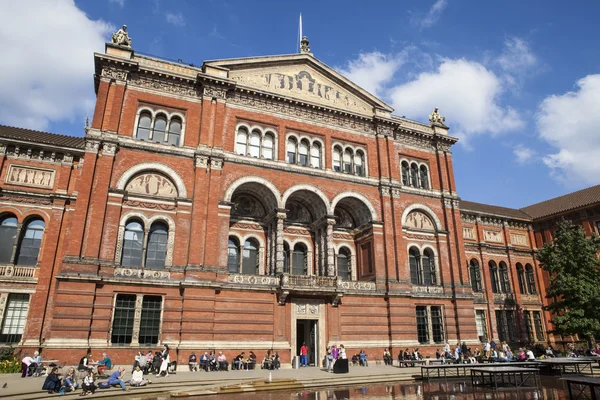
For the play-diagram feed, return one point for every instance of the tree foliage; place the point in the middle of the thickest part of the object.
(571, 259)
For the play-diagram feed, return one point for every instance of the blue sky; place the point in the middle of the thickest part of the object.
(518, 81)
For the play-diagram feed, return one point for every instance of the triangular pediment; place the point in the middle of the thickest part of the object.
(303, 77)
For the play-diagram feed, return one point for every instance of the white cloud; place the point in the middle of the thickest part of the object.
(433, 15)
(175, 19)
(120, 3)
(524, 154)
(372, 70)
(571, 123)
(467, 93)
(47, 62)
(516, 61)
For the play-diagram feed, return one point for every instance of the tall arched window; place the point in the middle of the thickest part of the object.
(494, 277)
(250, 257)
(504, 279)
(144, 126)
(315, 155)
(174, 132)
(337, 159)
(286, 258)
(414, 175)
(160, 127)
(255, 144)
(359, 161)
(414, 261)
(428, 262)
(405, 174)
(424, 177)
(133, 244)
(344, 263)
(475, 273)
(31, 241)
(299, 259)
(240, 141)
(521, 278)
(292, 147)
(233, 256)
(156, 251)
(303, 153)
(347, 160)
(267, 151)
(8, 236)
(530, 275)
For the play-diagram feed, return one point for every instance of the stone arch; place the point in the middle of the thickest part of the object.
(426, 210)
(153, 166)
(358, 196)
(309, 188)
(253, 179)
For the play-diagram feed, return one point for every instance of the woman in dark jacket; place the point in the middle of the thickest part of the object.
(53, 381)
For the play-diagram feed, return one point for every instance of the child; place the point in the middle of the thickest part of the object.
(88, 384)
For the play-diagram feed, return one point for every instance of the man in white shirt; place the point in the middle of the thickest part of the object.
(530, 356)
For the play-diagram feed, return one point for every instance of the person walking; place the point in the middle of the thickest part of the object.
(304, 355)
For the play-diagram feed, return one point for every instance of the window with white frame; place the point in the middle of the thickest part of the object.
(430, 324)
(422, 267)
(257, 143)
(141, 248)
(15, 317)
(414, 174)
(307, 152)
(133, 318)
(344, 263)
(475, 273)
(159, 127)
(243, 258)
(8, 237)
(349, 160)
(481, 323)
(28, 249)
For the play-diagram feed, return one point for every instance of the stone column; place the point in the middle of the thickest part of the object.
(330, 248)
(317, 260)
(137, 318)
(281, 216)
(269, 267)
(3, 302)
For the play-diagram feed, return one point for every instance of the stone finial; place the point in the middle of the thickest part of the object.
(121, 37)
(304, 45)
(436, 119)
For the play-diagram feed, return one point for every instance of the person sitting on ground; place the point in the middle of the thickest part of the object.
(204, 361)
(267, 361)
(364, 361)
(105, 364)
(237, 361)
(222, 363)
(386, 356)
(251, 360)
(193, 362)
(142, 363)
(530, 356)
(71, 381)
(26, 366)
(509, 355)
(137, 378)
(53, 382)
(88, 384)
(149, 361)
(276, 361)
(213, 362)
(156, 362)
(550, 352)
(117, 378)
(84, 363)
(355, 359)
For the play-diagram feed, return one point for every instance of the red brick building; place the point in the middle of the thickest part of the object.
(254, 204)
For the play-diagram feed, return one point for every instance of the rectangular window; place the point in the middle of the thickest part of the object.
(437, 324)
(15, 316)
(481, 323)
(528, 326)
(422, 325)
(511, 324)
(122, 328)
(539, 328)
(501, 325)
(150, 320)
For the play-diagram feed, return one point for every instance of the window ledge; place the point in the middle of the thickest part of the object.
(428, 289)
(18, 272)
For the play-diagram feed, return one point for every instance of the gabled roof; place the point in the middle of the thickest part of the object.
(493, 210)
(567, 202)
(52, 139)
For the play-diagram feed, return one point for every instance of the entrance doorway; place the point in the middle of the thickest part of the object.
(307, 332)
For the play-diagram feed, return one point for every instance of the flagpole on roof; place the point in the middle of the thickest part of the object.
(299, 32)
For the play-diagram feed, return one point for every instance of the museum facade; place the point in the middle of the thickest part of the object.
(255, 204)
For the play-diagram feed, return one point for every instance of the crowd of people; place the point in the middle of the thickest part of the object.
(211, 362)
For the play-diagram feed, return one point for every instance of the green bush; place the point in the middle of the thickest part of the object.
(9, 361)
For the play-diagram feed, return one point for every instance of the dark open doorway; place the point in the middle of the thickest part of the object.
(307, 332)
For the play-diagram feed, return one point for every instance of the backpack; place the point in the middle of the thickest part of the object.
(103, 385)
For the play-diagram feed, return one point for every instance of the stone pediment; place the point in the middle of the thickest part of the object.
(302, 77)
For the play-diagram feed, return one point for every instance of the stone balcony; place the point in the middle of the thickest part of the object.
(17, 273)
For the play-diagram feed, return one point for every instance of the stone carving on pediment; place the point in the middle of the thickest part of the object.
(121, 37)
(29, 176)
(518, 239)
(301, 82)
(492, 236)
(150, 206)
(468, 233)
(492, 221)
(92, 146)
(443, 146)
(110, 72)
(435, 118)
(215, 92)
(300, 308)
(416, 141)
(385, 130)
(152, 184)
(419, 220)
(109, 149)
(468, 218)
(164, 84)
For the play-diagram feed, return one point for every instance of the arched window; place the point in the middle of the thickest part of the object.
(292, 147)
(8, 236)
(428, 262)
(133, 244)
(359, 161)
(504, 279)
(286, 258)
(144, 126)
(337, 159)
(521, 278)
(160, 126)
(414, 261)
(414, 175)
(475, 273)
(405, 174)
(315, 155)
(156, 251)
(31, 241)
(174, 132)
(299, 259)
(494, 277)
(530, 275)
(233, 256)
(303, 153)
(255, 144)
(344, 263)
(347, 161)
(424, 178)
(241, 141)
(250, 257)
(267, 150)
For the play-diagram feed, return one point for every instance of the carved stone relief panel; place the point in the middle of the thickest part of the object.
(419, 220)
(469, 233)
(152, 184)
(492, 236)
(247, 206)
(301, 82)
(518, 239)
(29, 176)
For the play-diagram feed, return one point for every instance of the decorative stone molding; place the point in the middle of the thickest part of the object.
(519, 225)
(384, 190)
(492, 221)
(109, 149)
(2, 149)
(254, 279)
(423, 208)
(492, 236)
(164, 84)
(149, 205)
(418, 220)
(248, 226)
(145, 274)
(68, 158)
(443, 146)
(468, 218)
(201, 161)
(428, 289)
(216, 163)
(468, 233)
(153, 166)
(111, 72)
(396, 192)
(30, 176)
(152, 184)
(385, 130)
(356, 285)
(518, 239)
(92, 146)
(435, 118)
(215, 92)
(415, 140)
